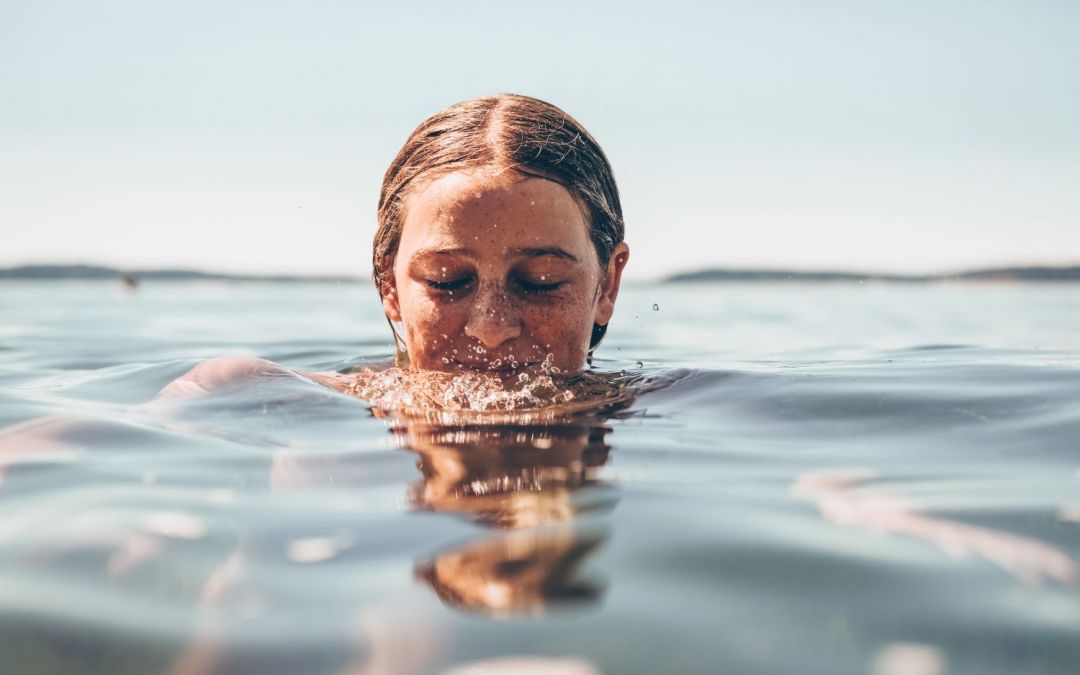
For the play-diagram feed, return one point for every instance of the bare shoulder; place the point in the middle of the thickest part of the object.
(224, 372)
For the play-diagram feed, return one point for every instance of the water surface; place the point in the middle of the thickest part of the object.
(836, 479)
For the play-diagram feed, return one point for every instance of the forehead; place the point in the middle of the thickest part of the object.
(479, 210)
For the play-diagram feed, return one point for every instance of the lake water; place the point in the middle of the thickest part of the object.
(878, 479)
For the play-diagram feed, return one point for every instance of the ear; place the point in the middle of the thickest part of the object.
(388, 291)
(609, 287)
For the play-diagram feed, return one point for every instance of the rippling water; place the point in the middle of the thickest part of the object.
(834, 479)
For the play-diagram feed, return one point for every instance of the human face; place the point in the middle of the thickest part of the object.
(495, 271)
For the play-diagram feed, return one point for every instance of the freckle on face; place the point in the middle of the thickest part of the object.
(489, 229)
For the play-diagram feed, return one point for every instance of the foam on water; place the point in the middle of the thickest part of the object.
(523, 395)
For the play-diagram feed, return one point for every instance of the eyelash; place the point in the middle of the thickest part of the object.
(527, 287)
(448, 285)
(538, 289)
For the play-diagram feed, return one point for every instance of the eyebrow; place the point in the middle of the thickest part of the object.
(438, 250)
(529, 252)
(540, 251)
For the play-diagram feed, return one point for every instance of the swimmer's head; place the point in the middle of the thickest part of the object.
(500, 238)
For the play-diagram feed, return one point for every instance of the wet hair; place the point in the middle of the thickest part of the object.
(504, 132)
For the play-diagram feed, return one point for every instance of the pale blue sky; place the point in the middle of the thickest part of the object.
(252, 136)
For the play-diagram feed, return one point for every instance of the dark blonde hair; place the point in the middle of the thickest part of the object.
(509, 132)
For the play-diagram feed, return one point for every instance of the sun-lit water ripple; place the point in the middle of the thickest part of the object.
(753, 479)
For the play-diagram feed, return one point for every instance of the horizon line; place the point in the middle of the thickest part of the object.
(94, 271)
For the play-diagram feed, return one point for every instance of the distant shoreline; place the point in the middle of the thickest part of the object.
(101, 273)
(711, 275)
(997, 274)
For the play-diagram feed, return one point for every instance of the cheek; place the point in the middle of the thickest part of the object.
(430, 327)
(562, 328)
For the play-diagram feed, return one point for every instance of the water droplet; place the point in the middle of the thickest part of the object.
(655, 307)
(640, 364)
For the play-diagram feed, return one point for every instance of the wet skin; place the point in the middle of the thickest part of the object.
(496, 270)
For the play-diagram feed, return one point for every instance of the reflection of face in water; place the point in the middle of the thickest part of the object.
(537, 482)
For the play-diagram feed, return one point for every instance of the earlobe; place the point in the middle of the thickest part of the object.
(390, 302)
(609, 290)
(393, 316)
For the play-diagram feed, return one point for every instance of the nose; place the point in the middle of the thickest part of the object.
(493, 320)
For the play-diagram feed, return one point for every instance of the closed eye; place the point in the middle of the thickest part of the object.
(451, 285)
(538, 289)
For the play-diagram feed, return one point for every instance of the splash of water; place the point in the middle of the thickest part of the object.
(541, 390)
